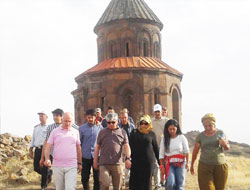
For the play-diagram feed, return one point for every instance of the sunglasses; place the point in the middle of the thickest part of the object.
(109, 122)
(143, 123)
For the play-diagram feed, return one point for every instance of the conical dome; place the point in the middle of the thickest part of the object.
(128, 9)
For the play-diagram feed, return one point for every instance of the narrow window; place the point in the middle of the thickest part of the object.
(111, 51)
(127, 49)
(156, 98)
(102, 103)
(144, 49)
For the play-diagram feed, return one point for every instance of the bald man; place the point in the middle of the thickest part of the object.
(67, 154)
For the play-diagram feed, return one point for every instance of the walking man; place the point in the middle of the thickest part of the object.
(158, 124)
(88, 135)
(126, 125)
(38, 137)
(67, 154)
(110, 142)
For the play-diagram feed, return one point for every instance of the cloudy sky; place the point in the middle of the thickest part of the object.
(45, 44)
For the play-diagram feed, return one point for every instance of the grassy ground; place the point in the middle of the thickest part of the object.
(239, 176)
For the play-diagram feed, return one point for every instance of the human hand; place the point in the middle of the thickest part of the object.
(41, 162)
(127, 164)
(95, 165)
(79, 168)
(31, 153)
(187, 167)
(192, 169)
(47, 163)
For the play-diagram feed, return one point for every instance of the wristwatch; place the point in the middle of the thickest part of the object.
(127, 158)
(79, 163)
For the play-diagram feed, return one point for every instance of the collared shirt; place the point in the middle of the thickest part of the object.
(64, 142)
(111, 142)
(127, 127)
(158, 128)
(88, 136)
(51, 127)
(39, 135)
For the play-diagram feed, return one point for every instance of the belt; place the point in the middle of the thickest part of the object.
(39, 147)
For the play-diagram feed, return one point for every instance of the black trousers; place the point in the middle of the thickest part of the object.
(45, 172)
(86, 167)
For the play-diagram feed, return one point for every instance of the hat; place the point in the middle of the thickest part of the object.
(98, 110)
(58, 111)
(208, 119)
(157, 107)
(42, 113)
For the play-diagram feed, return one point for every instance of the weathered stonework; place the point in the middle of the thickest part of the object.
(136, 83)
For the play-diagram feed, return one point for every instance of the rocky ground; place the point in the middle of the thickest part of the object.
(16, 168)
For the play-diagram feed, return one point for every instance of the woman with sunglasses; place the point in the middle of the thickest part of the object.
(173, 156)
(144, 151)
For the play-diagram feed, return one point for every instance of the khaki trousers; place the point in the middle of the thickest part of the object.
(115, 171)
(212, 177)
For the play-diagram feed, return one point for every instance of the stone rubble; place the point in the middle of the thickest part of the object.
(14, 159)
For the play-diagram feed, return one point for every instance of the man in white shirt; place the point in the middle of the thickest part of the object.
(38, 137)
(158, 124)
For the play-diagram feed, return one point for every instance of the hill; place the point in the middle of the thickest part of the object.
(236, 149)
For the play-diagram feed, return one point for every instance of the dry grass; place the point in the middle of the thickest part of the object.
(239, 175)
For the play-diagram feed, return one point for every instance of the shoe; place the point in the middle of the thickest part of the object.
(43, 188)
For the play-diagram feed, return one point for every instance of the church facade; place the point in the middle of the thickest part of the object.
(129, 73)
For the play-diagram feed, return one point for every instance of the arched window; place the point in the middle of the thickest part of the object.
(176, 103)
(112, 50)
(156, 50)
(156, 96)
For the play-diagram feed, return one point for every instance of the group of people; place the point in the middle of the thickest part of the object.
(119, 151)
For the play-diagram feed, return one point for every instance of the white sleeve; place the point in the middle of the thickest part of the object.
(185, 145)
(162, 149)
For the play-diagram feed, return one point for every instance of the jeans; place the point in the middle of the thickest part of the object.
(176, 178)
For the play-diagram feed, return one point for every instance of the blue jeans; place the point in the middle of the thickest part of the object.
(176, 178)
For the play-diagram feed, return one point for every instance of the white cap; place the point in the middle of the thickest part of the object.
(42, 112)
(157, 107)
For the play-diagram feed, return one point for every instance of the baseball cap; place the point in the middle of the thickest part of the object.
(58, 111)
(98, 110)
(157, 107)
(42, 112)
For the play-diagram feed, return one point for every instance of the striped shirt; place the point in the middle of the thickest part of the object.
(51, 127)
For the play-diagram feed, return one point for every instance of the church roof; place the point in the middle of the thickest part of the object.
(133, 63)
(128, 9)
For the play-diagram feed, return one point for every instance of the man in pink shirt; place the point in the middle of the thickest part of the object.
(67, 157)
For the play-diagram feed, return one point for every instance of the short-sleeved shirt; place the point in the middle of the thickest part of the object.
(111, 142)
(88, 136)
(211, 152)
(64, 143)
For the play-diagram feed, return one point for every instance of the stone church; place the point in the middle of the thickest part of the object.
(129, 72)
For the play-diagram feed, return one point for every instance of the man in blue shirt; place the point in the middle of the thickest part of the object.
(88, 135)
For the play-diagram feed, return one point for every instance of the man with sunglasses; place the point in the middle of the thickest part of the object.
(110, 143)
(158, 123)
